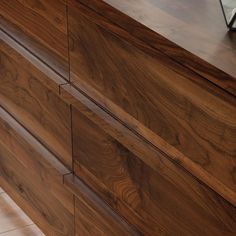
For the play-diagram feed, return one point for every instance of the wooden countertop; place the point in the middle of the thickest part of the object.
(192, 32)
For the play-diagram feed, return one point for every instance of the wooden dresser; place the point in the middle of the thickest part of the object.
(118, 117)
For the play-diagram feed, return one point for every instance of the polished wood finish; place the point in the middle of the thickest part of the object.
(138, 88)
(191, 33)
(119, 117)
(33, 177)
(139, 181)
(31, 94)
(92, 215)
(41, 27)
(202, 23)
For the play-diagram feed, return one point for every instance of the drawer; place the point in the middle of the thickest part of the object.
(30, 92)
(140, 182)
(176, 110)
(33, 177)
(92, 215)
(41, 27)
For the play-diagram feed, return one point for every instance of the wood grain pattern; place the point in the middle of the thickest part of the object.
(179, 205)
(31, 94)
(178, 115)
(33, 177)
(92, 215)
(192, 33)
(41, 27)
(152, 125)
(138, 180)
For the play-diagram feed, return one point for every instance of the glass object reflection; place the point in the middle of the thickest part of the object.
(229, 11)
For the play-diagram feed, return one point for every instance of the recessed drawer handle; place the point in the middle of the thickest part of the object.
(90, 199)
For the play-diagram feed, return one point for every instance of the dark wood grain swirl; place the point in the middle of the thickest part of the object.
(192, 33)
(33, 177)
(92, 215)
(140, 182)
(40, 26)
(31, 95)
(186, 118)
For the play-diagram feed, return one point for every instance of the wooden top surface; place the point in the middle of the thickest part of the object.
(196, 31)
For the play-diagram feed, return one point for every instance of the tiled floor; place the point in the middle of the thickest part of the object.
(13, 221)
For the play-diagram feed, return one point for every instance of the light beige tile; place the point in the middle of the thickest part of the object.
(11, 216)
(1, 190)
(31, 230)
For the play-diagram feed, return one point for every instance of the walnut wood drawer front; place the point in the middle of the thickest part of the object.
(178, 111)
(140, 183)
(33, 177)
(31, 95)
(92, 215)
(41, 27)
